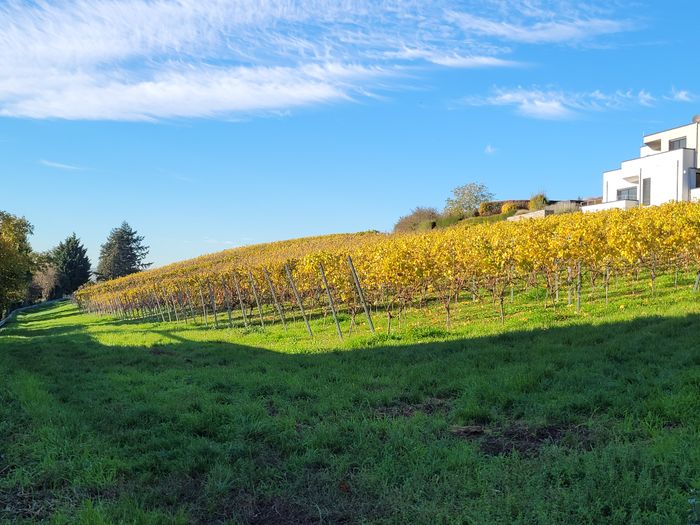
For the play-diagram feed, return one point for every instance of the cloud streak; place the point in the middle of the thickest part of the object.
(159, 59)
(553, 104)
(540, 32)
(59, 165)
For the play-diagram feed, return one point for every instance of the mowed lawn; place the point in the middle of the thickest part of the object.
(552, 417)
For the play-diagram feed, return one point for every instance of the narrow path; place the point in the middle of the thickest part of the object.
(11, 316)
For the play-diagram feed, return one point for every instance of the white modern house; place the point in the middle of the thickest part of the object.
(666, 170)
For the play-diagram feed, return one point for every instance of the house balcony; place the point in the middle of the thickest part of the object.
(624, 204)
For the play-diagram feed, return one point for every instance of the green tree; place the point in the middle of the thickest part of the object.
(122, 254)
(466, 199)
(72, 264)
(16, 260)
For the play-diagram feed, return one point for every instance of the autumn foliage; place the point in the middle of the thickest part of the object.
(404, 269)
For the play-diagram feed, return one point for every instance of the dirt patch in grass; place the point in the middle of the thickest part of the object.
(16, 503)
(524, 439)
(278, 511)
(247, 509)
(431, 405)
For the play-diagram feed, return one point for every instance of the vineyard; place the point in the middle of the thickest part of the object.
(571, 258)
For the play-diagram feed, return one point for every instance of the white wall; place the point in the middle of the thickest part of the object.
(668, 172)
(691, 132)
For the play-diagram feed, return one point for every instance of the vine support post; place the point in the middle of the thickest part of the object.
(160, 310)
(360, 294)
(227, 301)
(172, 301)
(578, 287)
(278, 306)
(257, 299)
(212, 298)
(298, 298)
(189, 304)
(181, 303)
(204, 307)
(331, 303)
(240, 300)
(167, 305)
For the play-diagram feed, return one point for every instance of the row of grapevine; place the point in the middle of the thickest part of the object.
(393, 272)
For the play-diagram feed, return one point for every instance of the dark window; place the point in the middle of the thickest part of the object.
(697, 178)
(676, 144)
(627, 194)
(646, 191)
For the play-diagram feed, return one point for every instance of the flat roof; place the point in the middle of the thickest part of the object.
(648, 156)
(671, 129)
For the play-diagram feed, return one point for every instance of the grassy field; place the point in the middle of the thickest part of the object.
(552, 417)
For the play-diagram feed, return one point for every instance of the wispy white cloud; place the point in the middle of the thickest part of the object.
(453, 60)
(540, 32)
(155, 59)
(59, 165)
(489, 149)
(188, 92)
(473, 61)
(681, 95)
(553, 104)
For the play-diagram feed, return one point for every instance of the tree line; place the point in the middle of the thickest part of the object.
(28, 277)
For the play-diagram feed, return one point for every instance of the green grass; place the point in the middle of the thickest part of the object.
(486, 219)
(446, 221)
(552, 417)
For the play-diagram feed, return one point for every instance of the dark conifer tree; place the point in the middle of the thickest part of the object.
(122, 254)
(72, 264)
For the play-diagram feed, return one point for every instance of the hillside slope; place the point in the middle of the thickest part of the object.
(592, 421)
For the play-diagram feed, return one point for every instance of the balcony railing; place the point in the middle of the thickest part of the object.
(624, 204)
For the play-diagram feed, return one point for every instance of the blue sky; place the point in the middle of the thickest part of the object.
(208, 125)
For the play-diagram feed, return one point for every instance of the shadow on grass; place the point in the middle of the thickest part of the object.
(224, 432)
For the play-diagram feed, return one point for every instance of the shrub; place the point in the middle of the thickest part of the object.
(448, 220)
(509, 207)
(425, 226)
(537, 202)
(489, 208)
(412, 221)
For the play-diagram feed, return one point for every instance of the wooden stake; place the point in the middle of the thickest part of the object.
(240, 301)
(360, 294)
(330, 300)
(257, 299)
(189, 303)
(227, 301)
(274, 297)
(607, 283)
(578, 287)
(155, 296)
(212, 298)
(298, 298)
(204, 307)
(180, 302)
(172, 300)
(167, 305)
